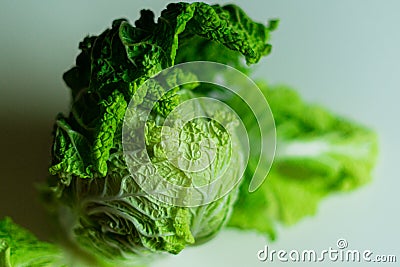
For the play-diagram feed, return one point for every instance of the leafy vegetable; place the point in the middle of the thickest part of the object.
(19, 248)
(317, 153)
(101, 207)
(104, 212)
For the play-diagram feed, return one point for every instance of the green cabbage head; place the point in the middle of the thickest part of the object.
(92, 191)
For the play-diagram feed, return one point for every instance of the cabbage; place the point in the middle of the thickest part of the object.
(117, 120)
(161, 148)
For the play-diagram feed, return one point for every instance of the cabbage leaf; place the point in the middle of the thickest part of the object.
(318, 153)
(20, 248)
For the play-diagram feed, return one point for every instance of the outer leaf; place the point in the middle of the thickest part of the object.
(114, 106)
(19, 248)
(318, 153)
(70, 152)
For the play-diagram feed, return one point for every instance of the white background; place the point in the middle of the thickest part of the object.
(344, 55)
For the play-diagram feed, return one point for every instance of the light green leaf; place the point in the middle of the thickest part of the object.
(20, 248)
(318, 154)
